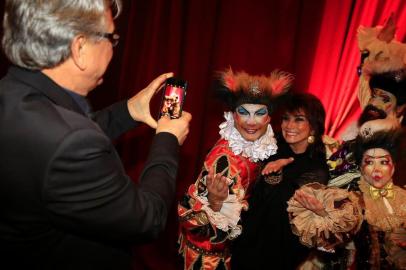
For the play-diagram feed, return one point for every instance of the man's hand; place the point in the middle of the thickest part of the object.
(178, 127)
(276, 166)
(138, 105)
(217, 188)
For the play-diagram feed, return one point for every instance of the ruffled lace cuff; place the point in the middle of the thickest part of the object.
(227, 218)
(343, 217)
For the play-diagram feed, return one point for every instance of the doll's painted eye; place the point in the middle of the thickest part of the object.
(385, 162)
(368, 161)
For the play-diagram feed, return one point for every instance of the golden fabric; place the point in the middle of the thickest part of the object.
(386, 191)
(335, 228)
(376, 213)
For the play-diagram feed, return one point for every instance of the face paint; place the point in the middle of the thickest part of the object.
(251, 120)
(382, 100)
(379, 114)
(377, 167)
(295, 130)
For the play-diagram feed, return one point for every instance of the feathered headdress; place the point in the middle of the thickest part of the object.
(239, 88)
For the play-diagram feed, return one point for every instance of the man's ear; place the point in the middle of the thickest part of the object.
(78, 51)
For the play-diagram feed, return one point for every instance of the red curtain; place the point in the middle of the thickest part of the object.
(333, 78)
(313, 39)
(194, 39)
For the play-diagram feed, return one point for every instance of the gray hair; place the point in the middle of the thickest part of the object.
(38, 33)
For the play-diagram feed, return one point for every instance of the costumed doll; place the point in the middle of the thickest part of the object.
(382, 95)
(209, 212)
(372, 213)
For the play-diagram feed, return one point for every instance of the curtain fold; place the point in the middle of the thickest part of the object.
(334, 79)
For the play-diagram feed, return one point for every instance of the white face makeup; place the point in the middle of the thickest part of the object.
(295, 130)
(251, 120)
(377, 167)
(385, 102)
(382, 100)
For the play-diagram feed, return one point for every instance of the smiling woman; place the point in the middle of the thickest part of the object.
(296, 130)
(266, 240)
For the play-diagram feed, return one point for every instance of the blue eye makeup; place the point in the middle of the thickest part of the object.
(241, 110)
(261, 112)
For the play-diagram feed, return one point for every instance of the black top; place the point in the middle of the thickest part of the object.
(65, 199)
(267, 241)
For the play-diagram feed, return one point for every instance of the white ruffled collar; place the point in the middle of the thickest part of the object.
(257, 150)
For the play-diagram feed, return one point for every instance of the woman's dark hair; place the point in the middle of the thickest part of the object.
(387, 140)
(315, 113)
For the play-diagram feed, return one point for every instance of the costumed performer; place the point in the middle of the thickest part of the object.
(210, 210)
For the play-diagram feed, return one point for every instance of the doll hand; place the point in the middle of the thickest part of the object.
(217, 188)
(276, 166)
(310, 202)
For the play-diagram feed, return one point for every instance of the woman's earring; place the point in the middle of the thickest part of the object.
(310, 139)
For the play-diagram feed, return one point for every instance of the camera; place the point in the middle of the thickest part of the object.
(173, 97)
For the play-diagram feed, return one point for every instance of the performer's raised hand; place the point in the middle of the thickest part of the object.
(217, 188)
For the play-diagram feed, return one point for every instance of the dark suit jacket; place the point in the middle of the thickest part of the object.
(65, 200)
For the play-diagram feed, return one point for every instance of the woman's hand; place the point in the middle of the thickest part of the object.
(310, 202)
(217, 188)
(276, 166)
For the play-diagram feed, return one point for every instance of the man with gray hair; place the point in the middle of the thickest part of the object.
(65, 200)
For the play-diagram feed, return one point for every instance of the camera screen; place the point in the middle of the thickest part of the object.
(172, 101)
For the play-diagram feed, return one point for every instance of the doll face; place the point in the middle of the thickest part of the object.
(379, 114)
(377, 167)
(251, 120)
(383, 100)
(295, 130)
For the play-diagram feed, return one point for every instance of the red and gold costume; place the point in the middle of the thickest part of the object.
(200, 238)
(206, 234)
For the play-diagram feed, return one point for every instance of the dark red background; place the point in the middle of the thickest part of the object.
(313, 39)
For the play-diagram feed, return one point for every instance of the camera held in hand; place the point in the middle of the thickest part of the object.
(173, 98)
